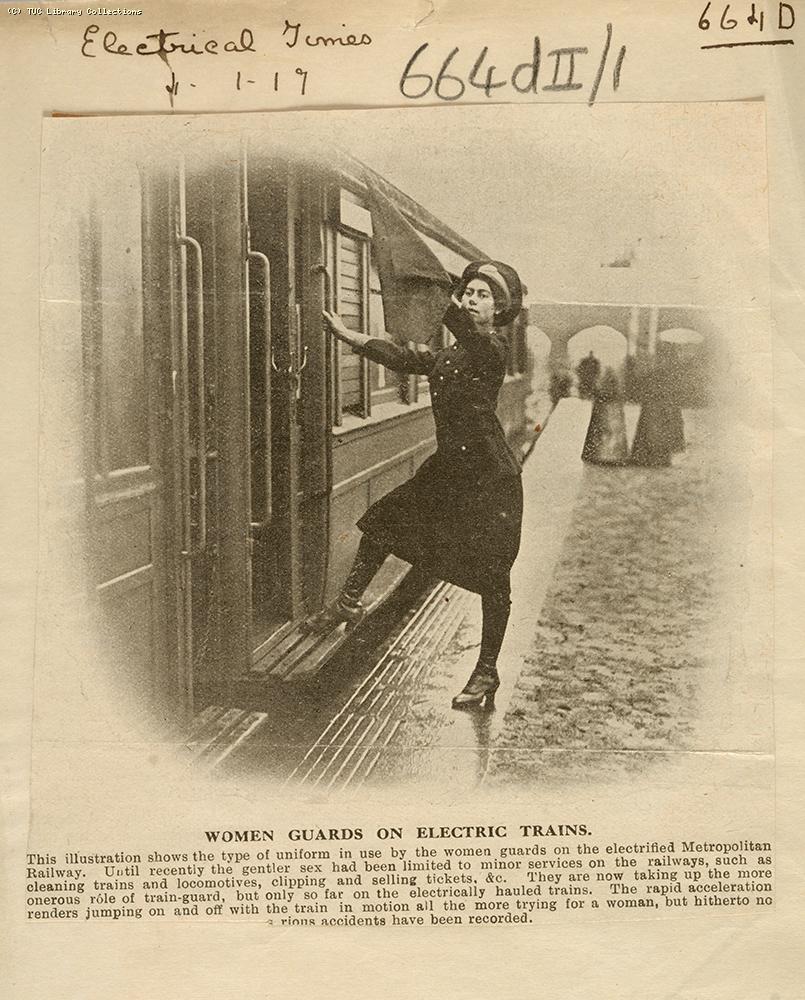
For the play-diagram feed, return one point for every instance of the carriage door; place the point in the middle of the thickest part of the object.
(284, 391)
(127, 487)
(209, 439)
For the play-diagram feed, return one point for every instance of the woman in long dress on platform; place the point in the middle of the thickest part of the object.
(605, 443)
(459, 517)
(660, 429)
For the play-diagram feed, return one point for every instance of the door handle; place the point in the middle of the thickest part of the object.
(324, 271)
(299, 350)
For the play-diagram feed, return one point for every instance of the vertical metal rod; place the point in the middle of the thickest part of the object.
(338, 413)
(243, 184)
(182, 446)
(329, 304)
(184, 404)
(365, 294)
(201, 391)
(260, 258)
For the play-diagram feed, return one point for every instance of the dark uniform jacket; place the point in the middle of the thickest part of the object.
(465, 380)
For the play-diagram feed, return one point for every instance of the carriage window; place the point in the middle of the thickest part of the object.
(352, 306)
(117, 303)
(360, 303)
(385, 386)
(377, 314)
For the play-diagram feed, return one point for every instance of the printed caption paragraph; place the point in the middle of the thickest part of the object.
(440, 876)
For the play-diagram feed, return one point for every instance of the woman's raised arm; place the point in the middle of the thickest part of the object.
(392, 356)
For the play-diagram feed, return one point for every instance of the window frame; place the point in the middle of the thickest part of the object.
(413, 391)
(405, 390)
(364, 402)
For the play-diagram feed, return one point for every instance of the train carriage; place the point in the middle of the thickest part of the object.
(227, 445)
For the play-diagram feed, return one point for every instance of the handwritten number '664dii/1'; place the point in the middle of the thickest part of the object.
(524, 78)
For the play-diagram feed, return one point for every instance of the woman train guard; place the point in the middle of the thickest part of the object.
(459, 517)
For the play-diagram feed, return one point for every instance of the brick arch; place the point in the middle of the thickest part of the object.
(561, 320)
(668, 336)
(608, 344)
(539, 343)
(702, 321)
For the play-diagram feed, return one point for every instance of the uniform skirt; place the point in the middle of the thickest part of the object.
(463, 532)
(660, 433)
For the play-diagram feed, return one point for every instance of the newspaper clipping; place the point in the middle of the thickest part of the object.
(411, 596)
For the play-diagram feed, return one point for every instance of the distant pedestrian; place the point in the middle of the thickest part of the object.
(587, 372)
(660, 428)
(561, 382)
(671, 374)
(606, 443)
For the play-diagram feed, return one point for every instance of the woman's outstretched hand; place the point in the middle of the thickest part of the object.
(335, 325)
(337, 328)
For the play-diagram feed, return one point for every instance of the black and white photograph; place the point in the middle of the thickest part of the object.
(410, 449)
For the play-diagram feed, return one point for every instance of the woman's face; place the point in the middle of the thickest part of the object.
(479, 303)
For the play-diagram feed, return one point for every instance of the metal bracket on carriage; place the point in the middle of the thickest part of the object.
(301, 368)
(281, 371)
(293, 373)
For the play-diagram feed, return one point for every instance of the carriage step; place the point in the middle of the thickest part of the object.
(216, 732)
(298, 655)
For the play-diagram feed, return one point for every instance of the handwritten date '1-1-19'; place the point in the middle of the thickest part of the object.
(449, 85)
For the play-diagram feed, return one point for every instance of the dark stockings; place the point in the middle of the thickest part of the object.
(496, 605)
(369, 558)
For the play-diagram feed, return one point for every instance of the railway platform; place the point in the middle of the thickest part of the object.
(384, 715)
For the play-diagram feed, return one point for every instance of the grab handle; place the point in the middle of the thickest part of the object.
(265, 265)
(324, 271)
(195, 247)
